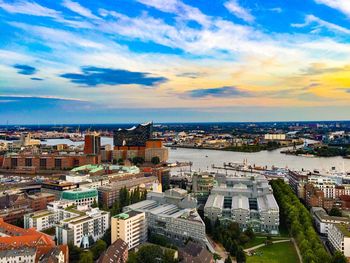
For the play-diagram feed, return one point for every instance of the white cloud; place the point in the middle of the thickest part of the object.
(276, 9)
(54, 36)
(341, 5)
(179, 8)
(234, 7)
(310, 19)
(29, 8)
(77, 8)
(34, 9)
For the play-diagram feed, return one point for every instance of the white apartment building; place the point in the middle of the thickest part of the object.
(79, 229)
(339, 237)
(323, 221)
(327, 185)
(130, 227)
(48, 218)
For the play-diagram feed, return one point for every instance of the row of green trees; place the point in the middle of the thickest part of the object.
(78, 255)
(231, 237)
(297, 219)
(152, 254)
(126, 198)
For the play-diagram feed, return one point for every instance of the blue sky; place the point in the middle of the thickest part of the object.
(113, 61)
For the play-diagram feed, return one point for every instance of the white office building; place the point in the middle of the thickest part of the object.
(130, 227)
(246, 200)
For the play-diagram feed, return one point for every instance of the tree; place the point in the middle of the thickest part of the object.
(250, 233)
(216, 257)
(132, 257)
(107, 237)
(94, 204)
(149, 254)
(335, 212)
(240, 257)
(86, 257)
(74, 253)
(155, 160)
(98, 248)
(137, 160)
(228, 260)
(338, 257)
(297, 219)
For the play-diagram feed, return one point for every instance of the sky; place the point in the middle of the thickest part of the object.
(112, 61)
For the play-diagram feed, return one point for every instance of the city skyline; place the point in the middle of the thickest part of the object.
(172, 61)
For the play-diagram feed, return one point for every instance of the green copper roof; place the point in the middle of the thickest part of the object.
(122, 216)
(79, 194)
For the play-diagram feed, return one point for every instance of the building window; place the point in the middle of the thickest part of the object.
(43, 163)
(14, 162)
(28, 162)
(58, 163)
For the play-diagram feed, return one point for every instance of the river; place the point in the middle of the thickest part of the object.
(204, 159)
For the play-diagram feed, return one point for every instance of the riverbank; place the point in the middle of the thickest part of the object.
(244, 148)
(324, 151)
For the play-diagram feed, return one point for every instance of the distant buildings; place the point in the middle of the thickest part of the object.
(275, 136)
(138, 142)
(109, 194)
(29, 156)
(246, 200)
(33, 162)
(135, 136)
(129, 226)
(57, 187)
(39, 201)
(172, 214)
(92, 144)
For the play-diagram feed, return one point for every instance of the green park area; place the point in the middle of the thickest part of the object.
(274, 253)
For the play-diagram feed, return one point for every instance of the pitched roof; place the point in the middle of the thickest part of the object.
(114, 253)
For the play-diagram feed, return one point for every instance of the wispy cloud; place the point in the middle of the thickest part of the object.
(235, 8)
(191, 75)
(28, 8)
(340, 5)
(222, 92)
(179, 8)
(51, 35)
(320, 23)
(28, 97)
(25, 69)
(276, 9)
(94, 76)
(79, 9)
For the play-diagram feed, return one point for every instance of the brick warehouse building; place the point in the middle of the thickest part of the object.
(36, 162)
